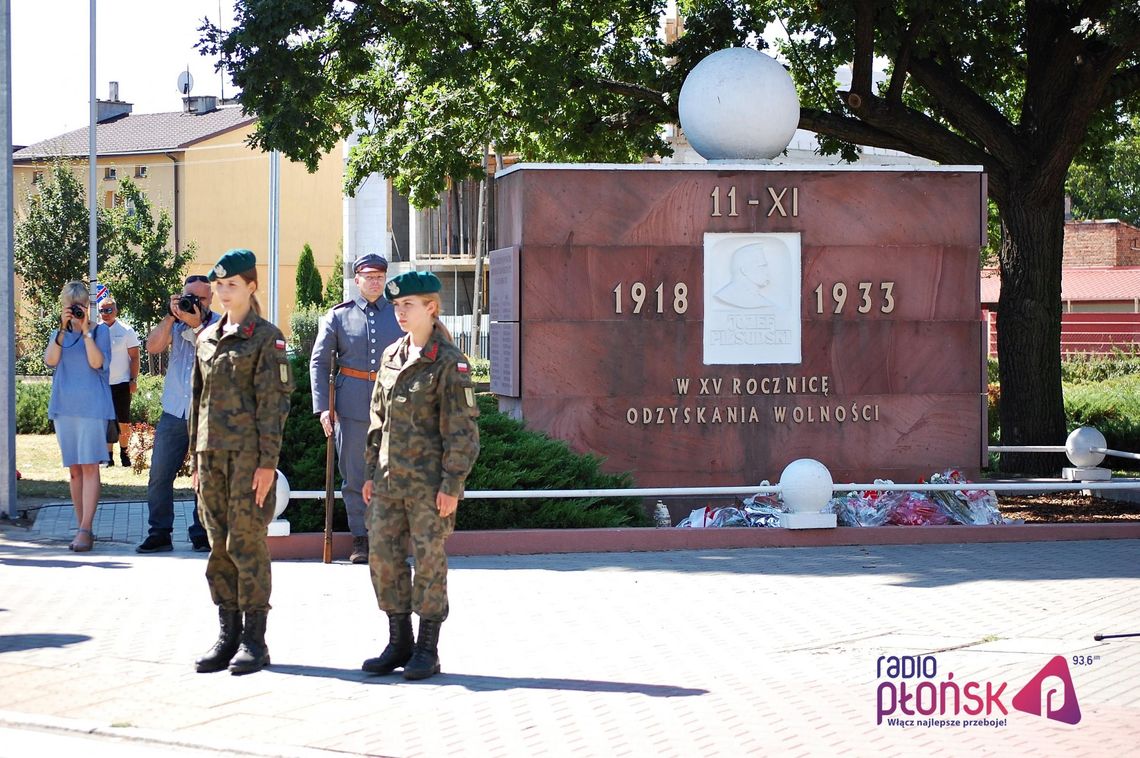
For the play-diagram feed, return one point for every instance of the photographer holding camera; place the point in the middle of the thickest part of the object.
(80, 405)
(189, 315)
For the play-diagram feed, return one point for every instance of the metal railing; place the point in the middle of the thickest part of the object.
(1022, 485)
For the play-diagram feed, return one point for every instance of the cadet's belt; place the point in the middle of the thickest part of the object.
(358, 374)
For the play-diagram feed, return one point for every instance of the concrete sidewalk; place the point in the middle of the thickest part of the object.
(126, 521)
(730, 652)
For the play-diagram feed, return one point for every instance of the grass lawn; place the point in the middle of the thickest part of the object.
(44, 478)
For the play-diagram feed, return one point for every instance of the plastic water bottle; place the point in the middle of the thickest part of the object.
(661, 516)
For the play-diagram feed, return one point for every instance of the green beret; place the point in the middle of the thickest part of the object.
(412, 283)
(232, 263)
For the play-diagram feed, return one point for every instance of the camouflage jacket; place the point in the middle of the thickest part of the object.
(240, 390)
(422, 435)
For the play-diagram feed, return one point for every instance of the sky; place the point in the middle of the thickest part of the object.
(141, 44)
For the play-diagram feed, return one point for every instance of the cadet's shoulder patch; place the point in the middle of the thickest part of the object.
(279, 344)
(462, 368)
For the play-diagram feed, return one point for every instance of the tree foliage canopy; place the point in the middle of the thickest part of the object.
(140, 267)
(1106, 184)
(430, 84)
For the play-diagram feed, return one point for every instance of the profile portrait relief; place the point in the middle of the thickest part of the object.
(752, 298)
(750, 275)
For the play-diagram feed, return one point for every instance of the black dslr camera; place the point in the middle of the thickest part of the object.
(76, 311)
(190, 304)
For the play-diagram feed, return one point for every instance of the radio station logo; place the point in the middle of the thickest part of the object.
(912, 693)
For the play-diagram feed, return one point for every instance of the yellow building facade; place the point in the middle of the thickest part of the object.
(200, 169)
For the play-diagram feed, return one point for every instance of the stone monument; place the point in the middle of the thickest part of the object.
(708, 324)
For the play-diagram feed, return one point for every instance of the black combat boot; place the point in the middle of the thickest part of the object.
(223, 650)
(253, 655)
(425, 659)
(399, 650)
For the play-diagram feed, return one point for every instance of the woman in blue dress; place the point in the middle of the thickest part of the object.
(80, 404)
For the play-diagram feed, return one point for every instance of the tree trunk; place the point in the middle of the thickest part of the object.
(1029, 331)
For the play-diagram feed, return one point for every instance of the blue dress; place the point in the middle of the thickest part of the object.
(80, 404)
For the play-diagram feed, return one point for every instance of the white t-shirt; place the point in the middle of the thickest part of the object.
(123, 338)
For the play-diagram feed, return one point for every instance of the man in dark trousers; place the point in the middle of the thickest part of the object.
(188, 316)
(356, 332)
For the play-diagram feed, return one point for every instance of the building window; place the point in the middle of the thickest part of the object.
(110, 174)
(140, 172)
(112, 199)
(37, 177)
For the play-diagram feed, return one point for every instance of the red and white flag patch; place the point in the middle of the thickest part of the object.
(462, 367)
(279, 344)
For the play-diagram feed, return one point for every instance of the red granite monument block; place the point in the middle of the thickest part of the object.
(831, 314)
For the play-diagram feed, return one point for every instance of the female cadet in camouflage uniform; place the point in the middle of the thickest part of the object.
(240, 399)
(422, 443)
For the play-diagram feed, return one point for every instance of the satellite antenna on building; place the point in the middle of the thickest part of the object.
(185, 82)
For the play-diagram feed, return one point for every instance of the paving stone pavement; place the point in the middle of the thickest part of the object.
(114, 521)
(688, 653)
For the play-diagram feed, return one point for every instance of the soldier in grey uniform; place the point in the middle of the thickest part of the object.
(423, 440)
(356, 332)
(240, 400)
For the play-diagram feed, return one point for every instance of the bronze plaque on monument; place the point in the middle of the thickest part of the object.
(708, 325)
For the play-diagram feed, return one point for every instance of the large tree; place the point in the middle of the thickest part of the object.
(142, 269)
(1018, 87)
(50, 249)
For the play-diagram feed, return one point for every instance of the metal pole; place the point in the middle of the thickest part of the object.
(7, 270)
(1028, 486)
(274, 230)
(93, 213)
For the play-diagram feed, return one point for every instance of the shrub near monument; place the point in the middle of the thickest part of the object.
(511, 457)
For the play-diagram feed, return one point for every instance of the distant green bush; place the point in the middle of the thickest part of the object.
(32, 408)
(510, 457)
(1097, 368)
(480, 369)
(146, 403)
(1113, 407)
(303, 325)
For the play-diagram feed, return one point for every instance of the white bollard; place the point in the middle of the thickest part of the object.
(279, 527)
(805, 488)
(1079, 447)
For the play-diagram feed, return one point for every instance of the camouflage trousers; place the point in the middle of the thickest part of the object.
(238, 567)
(392, 524)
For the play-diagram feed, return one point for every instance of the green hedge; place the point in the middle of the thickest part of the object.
(1101, 391)
(32, 404)
(1113, 407)
(32, 408)
(146, 403)
(511, 457)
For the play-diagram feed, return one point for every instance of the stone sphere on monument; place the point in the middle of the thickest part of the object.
(805, 486)
(1079, 446)
(282, 494)
(739, 104)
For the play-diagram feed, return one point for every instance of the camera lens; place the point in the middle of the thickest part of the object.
(76, 310)
(188, 303)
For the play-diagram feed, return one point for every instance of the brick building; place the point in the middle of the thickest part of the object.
(1100, 288)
